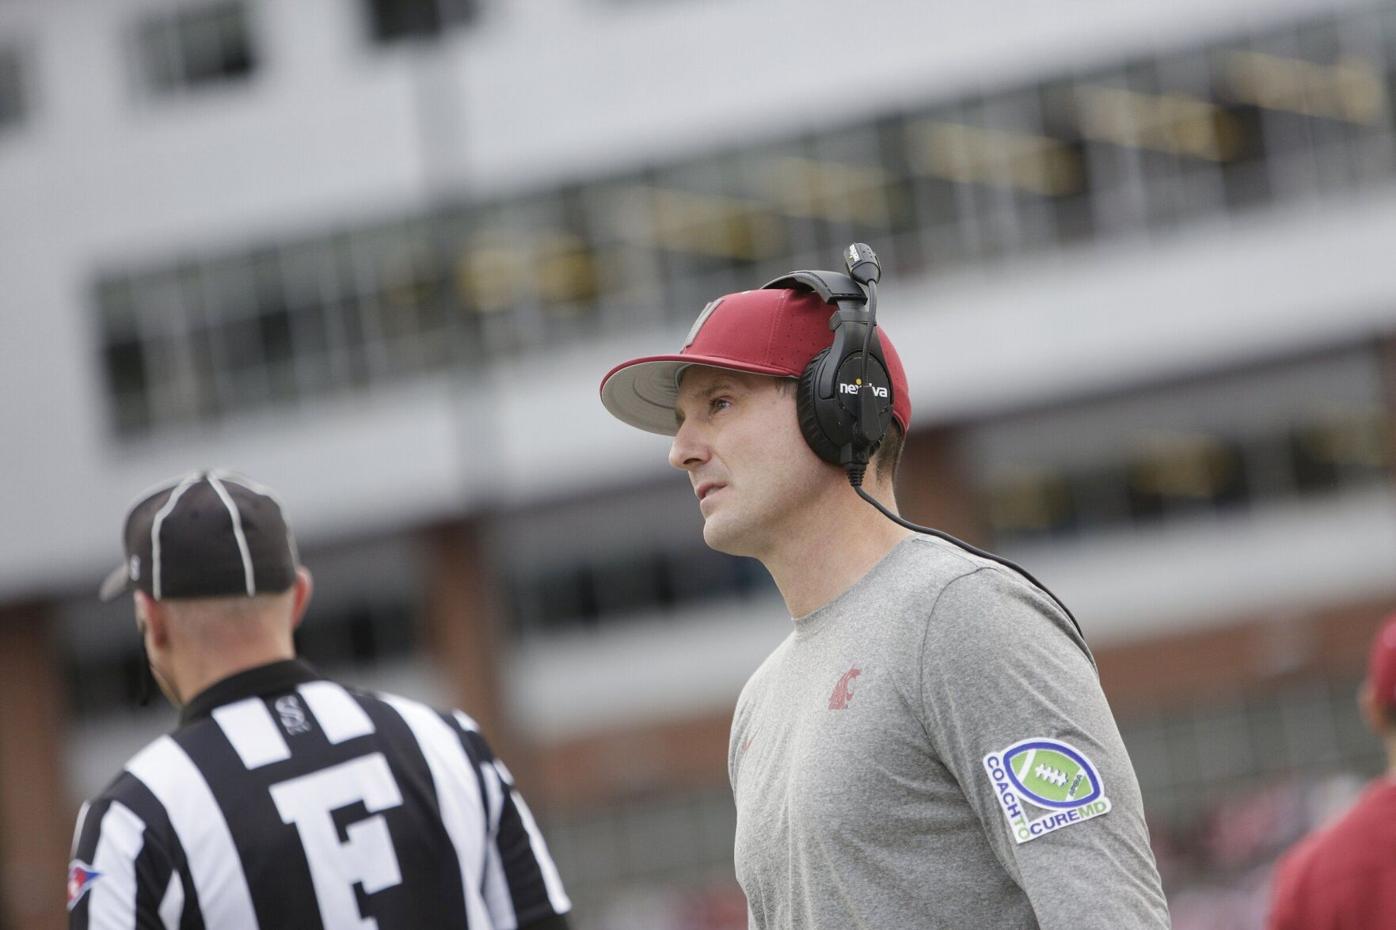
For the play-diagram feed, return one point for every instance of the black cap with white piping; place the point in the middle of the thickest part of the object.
(205, 534)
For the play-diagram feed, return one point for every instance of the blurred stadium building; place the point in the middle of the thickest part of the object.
(378, 253)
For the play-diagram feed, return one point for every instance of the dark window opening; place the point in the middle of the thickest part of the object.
(391, 20)
(196, 47)
(13, 95)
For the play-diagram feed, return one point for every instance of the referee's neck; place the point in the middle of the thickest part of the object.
(194, 644)
(206, 675)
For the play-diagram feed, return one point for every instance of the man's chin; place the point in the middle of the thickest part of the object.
(721, 536)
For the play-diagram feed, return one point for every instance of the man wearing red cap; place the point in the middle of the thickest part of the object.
(1343, 877)
(929, 747)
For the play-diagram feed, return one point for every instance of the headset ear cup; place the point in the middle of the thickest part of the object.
(806, 407)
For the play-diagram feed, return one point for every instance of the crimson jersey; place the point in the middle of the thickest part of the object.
(1342, 877)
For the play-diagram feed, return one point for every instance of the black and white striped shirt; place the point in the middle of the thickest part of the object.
(285, 800)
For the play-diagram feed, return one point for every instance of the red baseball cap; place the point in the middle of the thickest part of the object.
(1381, 666)
(771, 331)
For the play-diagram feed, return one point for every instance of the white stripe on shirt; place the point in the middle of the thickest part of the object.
(111, 901)
(340, 716)
(557, 895)
(172, 904)
(462, 808)
(249, 727)
(77, 830)
(496, 885)
(198, 821)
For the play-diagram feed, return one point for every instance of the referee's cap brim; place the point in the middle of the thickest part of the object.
(117, 583)
(643, 391)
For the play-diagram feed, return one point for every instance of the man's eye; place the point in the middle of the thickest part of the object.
(719, 403)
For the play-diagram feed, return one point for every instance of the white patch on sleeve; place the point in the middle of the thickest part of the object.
(1043, 785)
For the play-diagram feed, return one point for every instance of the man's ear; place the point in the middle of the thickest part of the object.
(301, 591)
(151, 616)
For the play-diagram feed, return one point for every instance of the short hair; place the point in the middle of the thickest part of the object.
(888, 456)
(218, 619)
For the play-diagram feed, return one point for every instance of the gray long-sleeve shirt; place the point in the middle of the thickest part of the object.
(932, 750)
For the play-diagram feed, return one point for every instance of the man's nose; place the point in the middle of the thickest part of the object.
(688, 448)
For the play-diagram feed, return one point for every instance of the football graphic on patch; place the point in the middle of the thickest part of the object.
(1050, 773)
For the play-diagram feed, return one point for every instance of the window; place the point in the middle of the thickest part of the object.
(1193, 757)
(1131, 146)
(358, 636)
(13, 97)
(194, 48)
(1216, 446)
(391, 20)
(1341, 447)
(123, 356)
(587, 592)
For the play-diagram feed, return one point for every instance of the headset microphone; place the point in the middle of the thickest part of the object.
(845, 431)
(862, 264)
(863, 267)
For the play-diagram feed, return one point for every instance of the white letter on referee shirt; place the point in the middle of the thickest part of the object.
(366, 857)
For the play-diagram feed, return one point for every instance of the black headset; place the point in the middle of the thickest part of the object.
(845, 395)
(844, 399)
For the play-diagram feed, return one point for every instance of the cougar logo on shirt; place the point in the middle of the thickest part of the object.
(842, 692)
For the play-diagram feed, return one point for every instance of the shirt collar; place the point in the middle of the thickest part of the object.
(264, 679)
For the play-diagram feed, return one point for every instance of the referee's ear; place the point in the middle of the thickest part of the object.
(152, 619)
(301, 590)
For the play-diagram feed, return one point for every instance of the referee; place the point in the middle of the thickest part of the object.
(284, 799)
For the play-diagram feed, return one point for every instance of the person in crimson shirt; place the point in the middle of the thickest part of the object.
(1343, 876)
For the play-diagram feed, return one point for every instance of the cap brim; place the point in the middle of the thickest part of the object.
(643, 391)
(116, 583)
